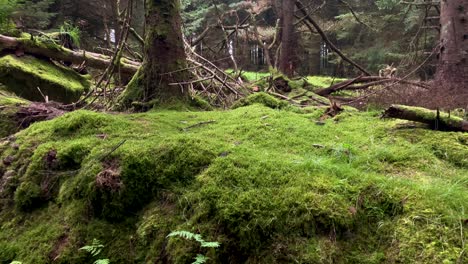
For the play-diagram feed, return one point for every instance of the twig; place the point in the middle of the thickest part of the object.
(199, 124)
(113, 150)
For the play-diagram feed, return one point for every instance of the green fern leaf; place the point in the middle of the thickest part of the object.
(200, 259)
(210, 244)
(102, 261)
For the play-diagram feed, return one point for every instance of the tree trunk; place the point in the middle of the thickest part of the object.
(286, 59)
(164, 57)
(453, 58)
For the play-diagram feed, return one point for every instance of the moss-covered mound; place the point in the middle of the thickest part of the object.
(24, 75)
(272, 186)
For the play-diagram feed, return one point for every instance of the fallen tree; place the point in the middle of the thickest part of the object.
(363, 82)
(51, 50)
(435, 119)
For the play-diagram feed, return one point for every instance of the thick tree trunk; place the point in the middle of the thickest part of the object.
(59, 53)
(164, 57)
(286, 59)
(453, 58)
(436, 120)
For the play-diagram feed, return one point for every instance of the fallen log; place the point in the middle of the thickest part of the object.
(366, 82)
(51, 50)
(435, 119)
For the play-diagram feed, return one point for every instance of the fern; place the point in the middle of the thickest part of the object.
(72, 31)
(102, 261)
(199, 259)
(197, 237)
(94, 249)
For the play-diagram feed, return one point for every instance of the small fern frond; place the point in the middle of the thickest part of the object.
(210, 244)
(102, 261)
(197, 237)
(94, 249)
(200, 259)
(183, 234)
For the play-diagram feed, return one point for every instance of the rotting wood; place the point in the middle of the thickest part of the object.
(366, 82)
(93, 60)
(435, 119)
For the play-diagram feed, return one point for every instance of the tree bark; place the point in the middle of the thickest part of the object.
(59, 53)
(164, 57)
(436, 120)
(453, 58)
(286, 59)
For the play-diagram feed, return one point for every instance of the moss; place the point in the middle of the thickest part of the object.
(27, 196)
(23, 75)
(145, 174)
(263, 99)
(323, 81)
(200, 103)
(272, 186)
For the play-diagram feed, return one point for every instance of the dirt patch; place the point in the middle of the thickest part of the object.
(59, 246)
(36, 112)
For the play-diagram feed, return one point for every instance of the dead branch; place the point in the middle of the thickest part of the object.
(199, 124)
(366, 81)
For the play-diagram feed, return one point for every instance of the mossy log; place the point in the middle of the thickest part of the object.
(435, 119)
(51, 50)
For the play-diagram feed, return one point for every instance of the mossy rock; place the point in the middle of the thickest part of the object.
(23, 76)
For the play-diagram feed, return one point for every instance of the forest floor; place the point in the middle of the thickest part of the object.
(270, 182)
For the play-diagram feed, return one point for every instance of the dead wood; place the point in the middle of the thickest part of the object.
(435, 119)
(366, 82)
(59, 53)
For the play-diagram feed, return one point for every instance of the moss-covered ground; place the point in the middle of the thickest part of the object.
(271, 185)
